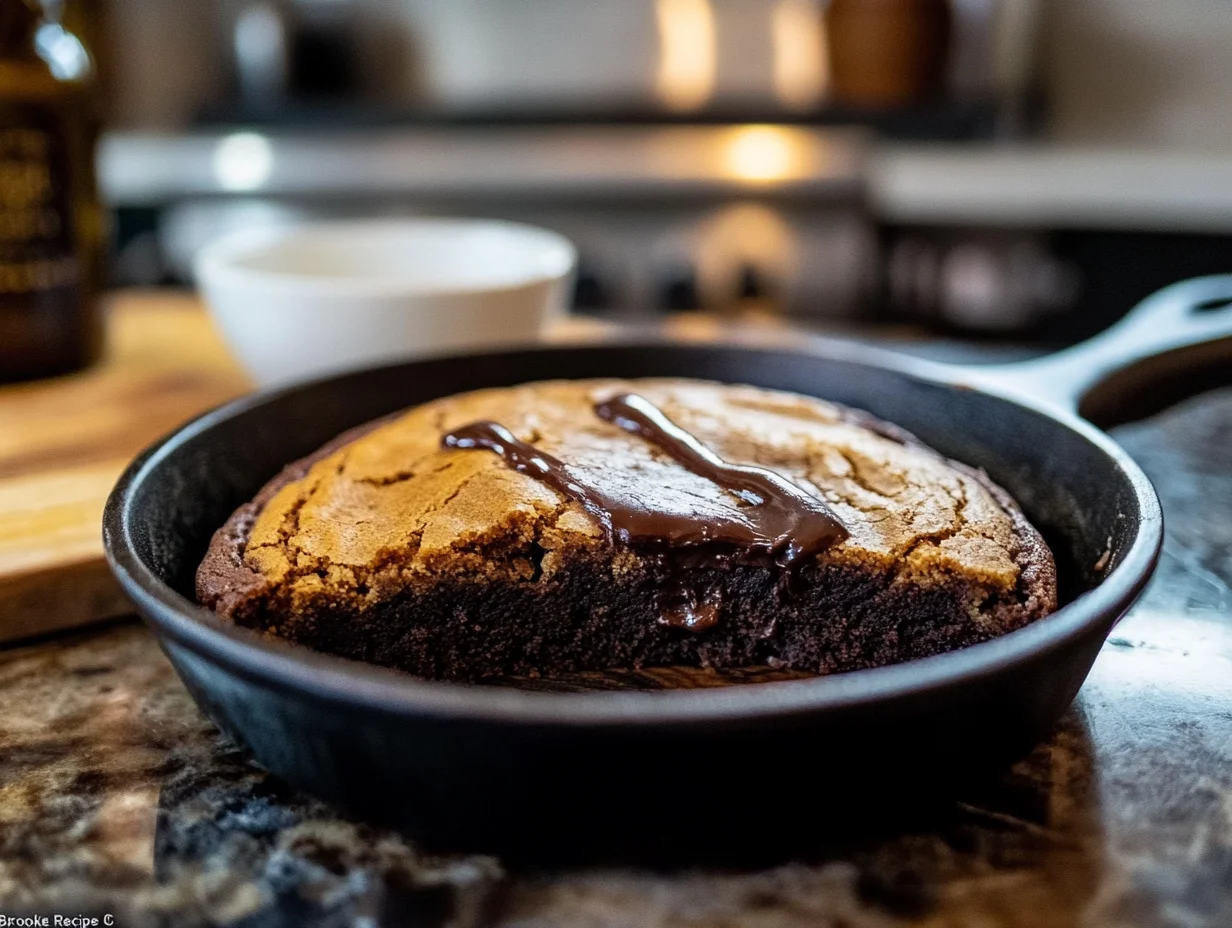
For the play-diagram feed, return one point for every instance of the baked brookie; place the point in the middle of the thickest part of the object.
(575, 525)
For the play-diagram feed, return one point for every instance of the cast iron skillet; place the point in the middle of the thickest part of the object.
(503, 767)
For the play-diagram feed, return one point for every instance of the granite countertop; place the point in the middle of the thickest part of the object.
(117, 796)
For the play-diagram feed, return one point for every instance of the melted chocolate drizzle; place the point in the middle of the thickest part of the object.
(780, 519)
(777, 523)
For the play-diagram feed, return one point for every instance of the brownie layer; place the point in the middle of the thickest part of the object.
(837, 620)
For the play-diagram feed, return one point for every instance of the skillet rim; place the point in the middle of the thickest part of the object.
(338, 681)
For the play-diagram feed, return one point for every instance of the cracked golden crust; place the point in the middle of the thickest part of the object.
(391, 510)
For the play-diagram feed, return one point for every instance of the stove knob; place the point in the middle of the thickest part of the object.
(678, 292)
(753, 285)
(590, 293)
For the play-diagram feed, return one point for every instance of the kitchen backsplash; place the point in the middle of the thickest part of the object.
(1151, 73)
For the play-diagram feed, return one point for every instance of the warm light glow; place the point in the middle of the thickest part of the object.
(243, 161)
(687, 53)
(762, 154)
(800, 64)
(741, 235)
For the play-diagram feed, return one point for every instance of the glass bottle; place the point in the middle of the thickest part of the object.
(51, 220)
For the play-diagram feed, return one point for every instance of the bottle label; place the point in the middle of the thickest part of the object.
(37, 253)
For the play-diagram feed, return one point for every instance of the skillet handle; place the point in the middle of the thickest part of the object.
(1185, 315)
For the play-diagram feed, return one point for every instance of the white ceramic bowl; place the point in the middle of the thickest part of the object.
(323, 297)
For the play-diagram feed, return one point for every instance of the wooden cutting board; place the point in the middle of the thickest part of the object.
(64, 442)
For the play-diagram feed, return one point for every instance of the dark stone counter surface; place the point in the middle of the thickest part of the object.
(117, 797)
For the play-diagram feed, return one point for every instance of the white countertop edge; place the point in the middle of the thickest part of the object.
(1008, 185)
(150, 168)
(1052, 187)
